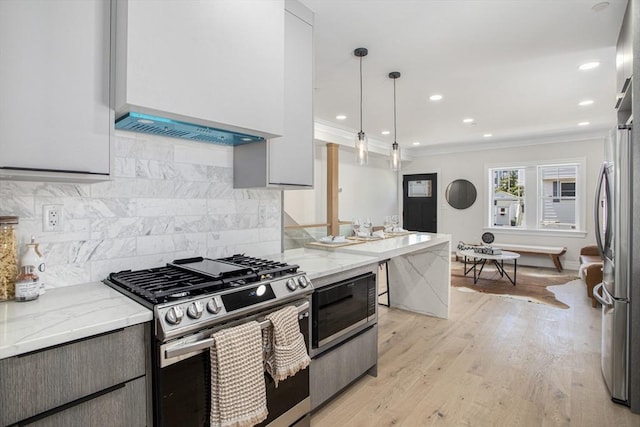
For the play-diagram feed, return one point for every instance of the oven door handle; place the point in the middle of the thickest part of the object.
(187, 348)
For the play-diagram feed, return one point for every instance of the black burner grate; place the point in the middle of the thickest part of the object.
(264, 267)
(173, 282)
(158, 285)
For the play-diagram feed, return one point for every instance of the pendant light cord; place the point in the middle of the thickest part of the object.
(361, 94)
(395, 137)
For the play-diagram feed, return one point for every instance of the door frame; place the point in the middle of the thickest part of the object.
(418, 171)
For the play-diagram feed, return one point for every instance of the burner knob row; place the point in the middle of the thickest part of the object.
(175, 314)
(302, 282)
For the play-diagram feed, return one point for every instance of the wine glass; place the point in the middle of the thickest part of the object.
(366, 226)
(388, 224)
(355, 225)
(395, 221)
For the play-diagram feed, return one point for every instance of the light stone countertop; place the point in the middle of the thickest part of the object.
(318, 263)
(394, 246)
(65, 314)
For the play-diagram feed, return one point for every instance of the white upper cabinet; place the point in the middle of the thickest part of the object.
(286, 162)
(291, 157)
(55, 120)
(218, 63)
(624, 52)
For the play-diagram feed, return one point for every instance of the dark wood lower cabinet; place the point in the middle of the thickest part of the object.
(122, 407)
(97, 381)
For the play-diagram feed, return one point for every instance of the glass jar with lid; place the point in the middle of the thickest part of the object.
(8, 257)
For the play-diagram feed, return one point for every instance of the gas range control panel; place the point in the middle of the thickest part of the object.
(180, 317)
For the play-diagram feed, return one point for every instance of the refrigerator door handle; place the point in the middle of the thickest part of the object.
(603, 181)
(601, 295)
(596, 209)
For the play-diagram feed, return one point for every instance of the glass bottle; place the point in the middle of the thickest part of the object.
(8, 257)
(27, 284)
(33, 257)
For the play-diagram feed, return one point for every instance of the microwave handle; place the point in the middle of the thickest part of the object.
(342, 283)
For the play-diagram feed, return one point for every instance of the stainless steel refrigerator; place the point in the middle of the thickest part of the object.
(612, 214)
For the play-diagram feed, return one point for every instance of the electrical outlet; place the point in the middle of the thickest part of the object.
(52, 217)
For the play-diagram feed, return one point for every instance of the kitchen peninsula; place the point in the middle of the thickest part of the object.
(419, 268)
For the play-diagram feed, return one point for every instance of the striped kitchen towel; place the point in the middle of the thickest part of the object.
(238, 391)
(286, 351)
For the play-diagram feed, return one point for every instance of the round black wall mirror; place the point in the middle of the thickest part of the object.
(460, 194)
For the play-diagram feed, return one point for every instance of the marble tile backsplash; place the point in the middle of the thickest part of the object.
(168, 199)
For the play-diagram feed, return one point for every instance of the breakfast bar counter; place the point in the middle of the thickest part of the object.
(419, 268)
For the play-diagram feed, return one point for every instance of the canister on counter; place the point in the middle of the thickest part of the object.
(8, 257)
(27, 284)
(33, 257)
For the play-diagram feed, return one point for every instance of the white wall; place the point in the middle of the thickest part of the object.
(468, 225)
(364, 190)
(310, 206)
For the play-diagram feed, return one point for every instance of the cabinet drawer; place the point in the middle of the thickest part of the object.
(123, 407)
(337, 368)
(43, 380)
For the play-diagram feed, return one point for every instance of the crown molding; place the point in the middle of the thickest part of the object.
(325, 132)
(513, 142)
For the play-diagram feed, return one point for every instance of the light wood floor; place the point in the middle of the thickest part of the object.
(495, 362)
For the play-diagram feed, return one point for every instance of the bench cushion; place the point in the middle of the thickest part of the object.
(551, 250)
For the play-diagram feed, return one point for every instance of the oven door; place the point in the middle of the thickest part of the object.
(182, 389)
(343, 308)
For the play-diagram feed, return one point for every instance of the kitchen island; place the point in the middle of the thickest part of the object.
(419, 268)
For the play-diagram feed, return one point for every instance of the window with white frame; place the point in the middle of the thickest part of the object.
(557, 202)
(508, 197)
(544, 196)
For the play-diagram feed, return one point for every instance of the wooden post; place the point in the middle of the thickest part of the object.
(332, 189)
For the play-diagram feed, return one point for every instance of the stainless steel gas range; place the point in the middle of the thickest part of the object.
(195, 297)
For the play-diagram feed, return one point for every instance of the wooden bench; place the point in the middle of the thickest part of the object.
(552, 251)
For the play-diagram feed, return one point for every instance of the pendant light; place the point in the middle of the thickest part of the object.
(394, 153)
(362, 148)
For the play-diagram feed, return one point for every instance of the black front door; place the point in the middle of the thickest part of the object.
(420, 200)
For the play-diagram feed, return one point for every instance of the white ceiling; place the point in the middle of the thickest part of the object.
(512, 65)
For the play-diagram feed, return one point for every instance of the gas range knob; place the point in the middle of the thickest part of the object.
(195, 310)
(291, 284)
(174, 315)
(303, 282)
(213, 307)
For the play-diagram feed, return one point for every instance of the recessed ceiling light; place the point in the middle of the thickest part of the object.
(385, 132)
(487, 135)
(468, 121)
(583, 124)
(589, 65)
(416, 143)
(600, 6)
(435, 97)
(341, 117)
(585, 102)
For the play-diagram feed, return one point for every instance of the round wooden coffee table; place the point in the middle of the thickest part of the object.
(498, 260)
